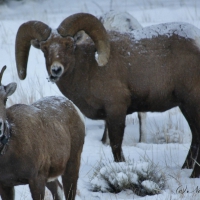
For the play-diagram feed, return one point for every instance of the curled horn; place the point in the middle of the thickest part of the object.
(93, 27)
(2, 71)
(32, 30)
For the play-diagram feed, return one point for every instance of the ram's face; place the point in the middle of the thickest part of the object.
(5, 91)
(59, 56)
(3, 99)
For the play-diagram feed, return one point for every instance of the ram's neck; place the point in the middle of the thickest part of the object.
(76, 84)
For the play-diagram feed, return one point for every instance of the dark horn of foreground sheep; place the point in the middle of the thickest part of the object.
(38, 143)
(150, 69)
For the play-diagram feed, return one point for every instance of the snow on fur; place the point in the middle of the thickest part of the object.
(185, 30)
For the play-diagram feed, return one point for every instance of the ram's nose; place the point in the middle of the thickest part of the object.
(57, 69)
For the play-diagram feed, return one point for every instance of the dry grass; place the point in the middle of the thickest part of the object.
(172, 131)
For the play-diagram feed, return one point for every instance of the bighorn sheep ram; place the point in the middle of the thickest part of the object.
(38, 143)
(150, 69)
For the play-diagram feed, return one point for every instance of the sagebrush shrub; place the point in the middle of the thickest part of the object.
(143, 178)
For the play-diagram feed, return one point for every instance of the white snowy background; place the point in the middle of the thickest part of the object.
(167, 137)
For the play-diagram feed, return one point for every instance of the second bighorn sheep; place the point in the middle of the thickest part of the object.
(150, 69)
(38, 143)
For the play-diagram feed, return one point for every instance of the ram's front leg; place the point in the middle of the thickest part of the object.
(37, 188)
(116, 117)
(7, 193)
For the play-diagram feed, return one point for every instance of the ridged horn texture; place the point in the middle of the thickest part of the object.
(1, 74)
(28, 31)
(93, 27)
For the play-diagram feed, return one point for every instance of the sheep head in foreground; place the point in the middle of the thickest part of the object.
(38, 143)
(150, 69)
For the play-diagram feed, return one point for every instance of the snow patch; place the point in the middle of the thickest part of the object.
(97, 57)
(150, 186)
(181, 29)
(54, 33)
(60, 192)
(119, 21)
(54, 101)
(100, 184)
(52, 179)
(142, 168)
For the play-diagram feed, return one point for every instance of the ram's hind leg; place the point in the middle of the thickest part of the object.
(56, 189)
(71, 174)
(191, 117)
(194, 113)
(7, 193)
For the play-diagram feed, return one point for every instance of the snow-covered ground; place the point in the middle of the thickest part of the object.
(168, 135)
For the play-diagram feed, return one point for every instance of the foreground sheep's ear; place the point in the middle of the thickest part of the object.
(35, 43)
(10, 88)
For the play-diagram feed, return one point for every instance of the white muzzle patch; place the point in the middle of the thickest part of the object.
(57, 69)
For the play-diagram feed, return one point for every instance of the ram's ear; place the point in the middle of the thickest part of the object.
(10, 88)
(35, 43)
(80, 37)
